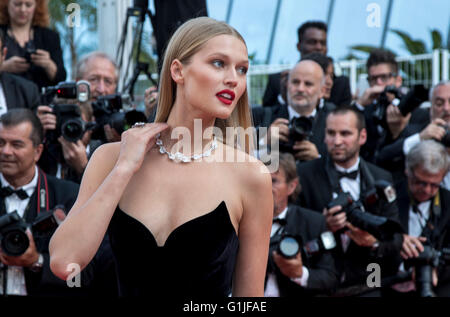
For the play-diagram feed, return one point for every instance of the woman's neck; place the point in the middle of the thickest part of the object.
(21, 32)
(187, 127)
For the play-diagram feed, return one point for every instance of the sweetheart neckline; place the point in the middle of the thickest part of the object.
(180, 226)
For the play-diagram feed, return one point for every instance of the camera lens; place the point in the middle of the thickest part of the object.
(289, 247)
(15, 242)
(72, 130)
(301, 128)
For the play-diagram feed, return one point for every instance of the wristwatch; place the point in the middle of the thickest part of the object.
(37, 266)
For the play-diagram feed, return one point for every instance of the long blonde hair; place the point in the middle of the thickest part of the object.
(185, 42)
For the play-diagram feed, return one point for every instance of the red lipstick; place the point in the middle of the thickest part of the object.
(226, 96)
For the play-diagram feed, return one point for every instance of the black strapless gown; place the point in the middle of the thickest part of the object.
(197, 259)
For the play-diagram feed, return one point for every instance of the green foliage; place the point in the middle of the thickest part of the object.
(437, 39)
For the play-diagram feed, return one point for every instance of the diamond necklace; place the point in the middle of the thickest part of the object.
(178, 156)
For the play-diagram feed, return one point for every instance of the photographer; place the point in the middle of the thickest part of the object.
(304, 92)
(382, 69)
(67, 159)
(31, 192)
(15, 91)
(344, 171)
(33, 50)
(102, 73)
(434, 126)
(424, 209)
(303, 275)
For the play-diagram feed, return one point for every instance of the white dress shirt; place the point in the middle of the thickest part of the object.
(3, 105)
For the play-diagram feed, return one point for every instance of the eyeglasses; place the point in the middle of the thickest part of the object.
(384, 78)
(420, 183)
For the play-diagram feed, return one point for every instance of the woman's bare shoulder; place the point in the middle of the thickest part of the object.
(103, 159)
(107, 151)
(251, 170)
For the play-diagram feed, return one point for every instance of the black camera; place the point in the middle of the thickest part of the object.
(289, 245)
(109, 109)
(427, 260)
(300, 129)
(13, 237)
(46, 222)
(79, 90)
(30, 48)
(405, 103)
(14, 240)
(380, 227)
(69, 123)
(68, 116)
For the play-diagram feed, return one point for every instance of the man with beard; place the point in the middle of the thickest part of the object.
(343, 170)
(434, 127)
(304, 91)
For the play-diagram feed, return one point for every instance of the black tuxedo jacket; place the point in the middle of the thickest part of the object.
(322, 273)
(264, 117)
(98, 278)
(45, 283)
(340, 93)
(390, 155)
(19, 92)
(317, 191)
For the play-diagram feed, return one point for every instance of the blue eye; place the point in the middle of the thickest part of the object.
(243, 70)
(218, 63)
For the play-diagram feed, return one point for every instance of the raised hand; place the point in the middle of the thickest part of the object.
(135, 144)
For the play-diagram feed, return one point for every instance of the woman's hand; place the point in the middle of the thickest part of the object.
(42, 59)
(15, 65)
(136, 142)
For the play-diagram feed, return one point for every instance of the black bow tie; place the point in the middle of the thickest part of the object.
(352, 175)
(8, 191)
(280, 221)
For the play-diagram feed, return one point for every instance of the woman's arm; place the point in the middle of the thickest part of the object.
(254, 232)
(108, 172)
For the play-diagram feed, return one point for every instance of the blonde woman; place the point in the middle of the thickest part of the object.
(187, 225)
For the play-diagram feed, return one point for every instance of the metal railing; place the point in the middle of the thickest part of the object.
(426, 69)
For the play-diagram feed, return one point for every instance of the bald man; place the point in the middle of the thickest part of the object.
(304, 91)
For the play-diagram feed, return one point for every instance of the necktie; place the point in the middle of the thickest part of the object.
(281, 222)
(8, 191)
(352, 175)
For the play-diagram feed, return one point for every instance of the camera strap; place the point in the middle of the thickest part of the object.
(430, 230)
(42, 192)
(41, 195)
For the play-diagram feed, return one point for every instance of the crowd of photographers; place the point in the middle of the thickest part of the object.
(373, 172)
(361, 198)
